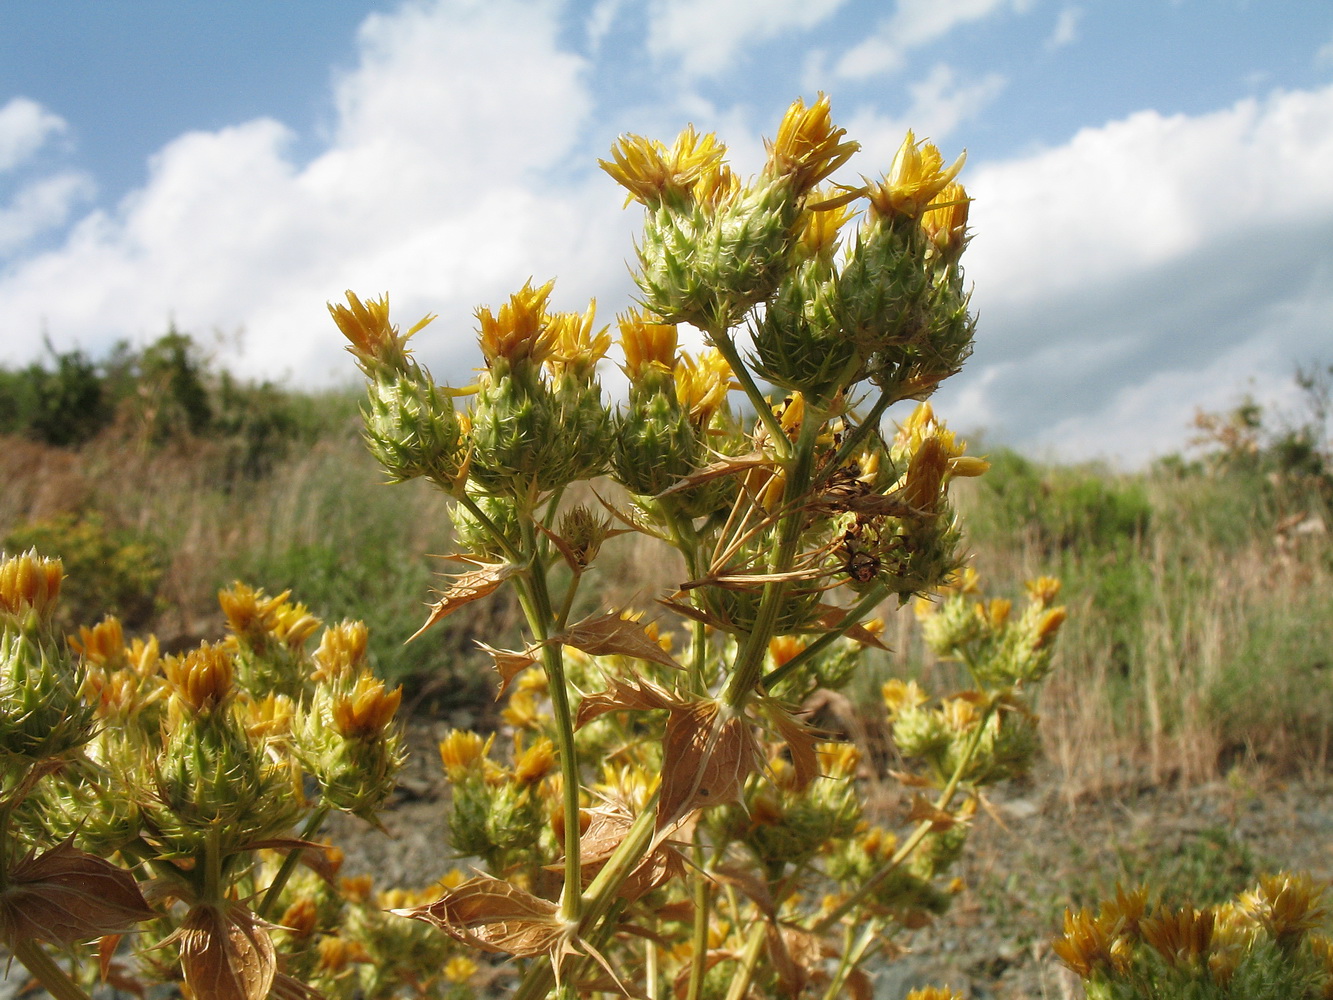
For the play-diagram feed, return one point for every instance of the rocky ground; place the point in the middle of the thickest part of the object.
(1032, 852)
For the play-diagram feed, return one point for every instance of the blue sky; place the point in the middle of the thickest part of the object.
(1154, 196)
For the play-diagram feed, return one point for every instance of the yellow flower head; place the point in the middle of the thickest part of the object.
(808, 147)
(342, 648)
(574, 347)
(201, 679)
(921, 426)
(899, 696)
(945, 220)
(651, 173)
(820, 224)
(375, 342)
(103, 644)
(1182, 937)
(367, 709)
(918, 174)
(838, 760)
(648, 343)
(30, 582)
(462, 751)
(702, 385)
(271, 716)
(520, 331)
(1043, 589)
(459, 969)
(716, 187)
(1286, 905)
(536, 762)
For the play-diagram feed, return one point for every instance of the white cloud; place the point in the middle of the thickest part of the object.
(1065, 31)
(915, 23)
(940, 102)
(705, 35)
(25, 126)
(40, 206)
(1124, 277)
(438, 186)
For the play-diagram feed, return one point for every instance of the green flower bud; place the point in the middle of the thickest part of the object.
(41, 714)
(800, 342)
(655, 443)
(707, 262)
(412, 430)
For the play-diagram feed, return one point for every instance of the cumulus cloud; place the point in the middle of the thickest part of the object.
(914, 24)
(25, 126)
(706, 35)
(1125, 276)
(438, 184)
(40, 206)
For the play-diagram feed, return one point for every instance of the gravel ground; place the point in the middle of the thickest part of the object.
(1031, 853)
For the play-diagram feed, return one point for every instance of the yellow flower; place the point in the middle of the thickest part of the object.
(536, 762)
(28, 582)
(923, 425)
(820, 225)
(1181, 937)
(459, 969)
(648, 343)
(574, 347)
(702, 385)
(945, 220)
(375, 342)
(341, 650)
(462, 750)
(1286, 905)
(918, 174)
(651, 173)
(899, 696)
(367, 710)
(103, 644)
(1043, 589)
(808, 148)
(201, 679)
(519, 332)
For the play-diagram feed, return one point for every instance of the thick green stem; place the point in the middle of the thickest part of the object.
(740, 986)
(289, 863)
(45, 970)
(702, 917)
(750, 659)
(537, 608)
(877, 592)
(727, 348)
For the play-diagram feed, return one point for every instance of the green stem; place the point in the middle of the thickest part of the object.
(857, 434)
(702, 917)
(289, 863)
(750, 658)
(727, 348)
(740, 986)
(45, 970)
(912, 842)
(537, 607)
(877, 592)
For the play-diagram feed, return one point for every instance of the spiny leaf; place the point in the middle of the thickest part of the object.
(226, 953)
(611, 635)
(509, 663)
(707, 753)
(494, 916)
(466, 588)
(801, 741)
(65, 896)
(724, 467)
(635, 695)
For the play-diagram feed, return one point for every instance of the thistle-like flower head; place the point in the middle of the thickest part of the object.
(519, 332)
(918, 174)
(808, 147)
(376, 344)
(651, 173)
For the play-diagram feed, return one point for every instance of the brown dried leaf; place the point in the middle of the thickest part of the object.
(509, 663)
(466, 588)
(831, 617)
(634, 695)
(801, 741)
(750, 884)
(724, 467)
(678, 603)
(911, 780)
(66, 895)
(495, 916)
(707, 753)
(611, 635)
(607, 827)
(286, 987)
(924, 810)
(226, 953)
